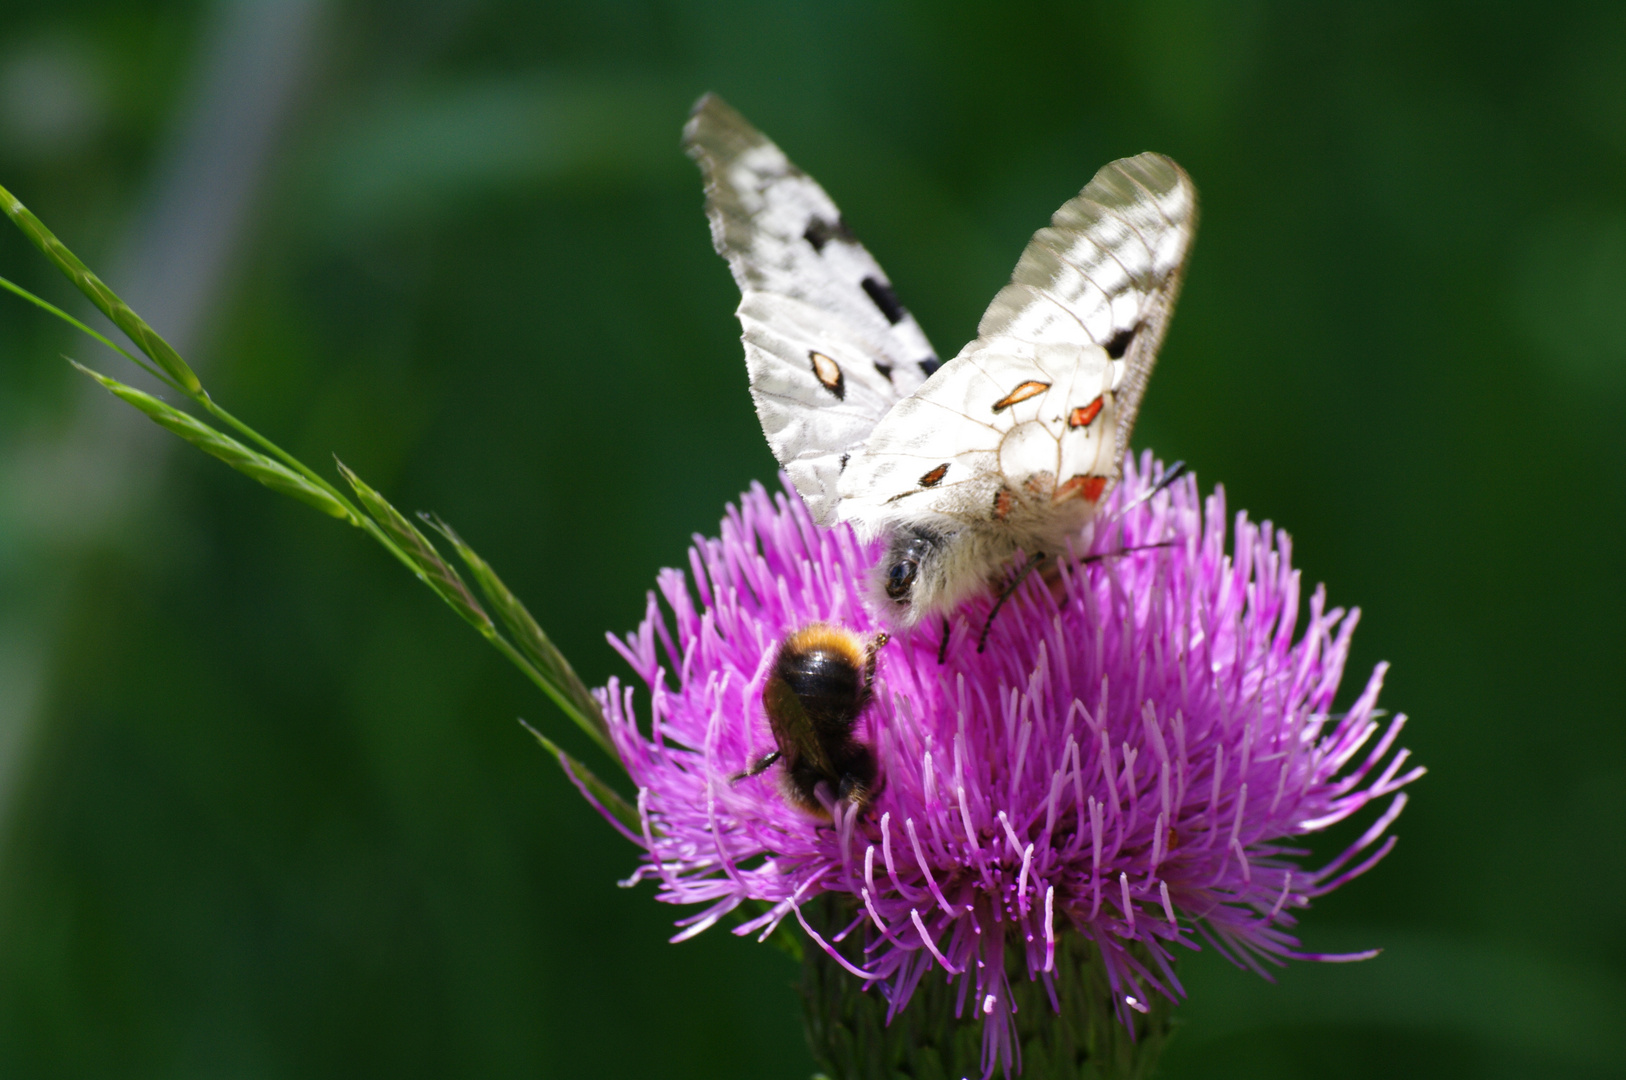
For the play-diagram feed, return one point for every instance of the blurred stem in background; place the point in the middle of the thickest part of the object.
(83, 480)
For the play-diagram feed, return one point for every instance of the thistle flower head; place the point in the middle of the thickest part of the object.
(1130, 760)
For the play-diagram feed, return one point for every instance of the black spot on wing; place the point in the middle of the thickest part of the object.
(1121, 341)
(930, 365)
(884, 298)
(843, 467)
(820, 232)
(884, 369)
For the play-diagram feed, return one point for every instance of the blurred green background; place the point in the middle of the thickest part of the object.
(264, 808)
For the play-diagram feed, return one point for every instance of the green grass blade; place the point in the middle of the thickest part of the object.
(274, 467)
(145, 337)
(203, 399)
(572, 694)
(605, 795)
(431, 569)
(250, 463)
(47, 306)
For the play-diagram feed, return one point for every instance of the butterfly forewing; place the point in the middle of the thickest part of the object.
(829, 349)
(1106, 272)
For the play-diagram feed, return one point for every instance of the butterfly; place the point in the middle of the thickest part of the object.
(1010, 446)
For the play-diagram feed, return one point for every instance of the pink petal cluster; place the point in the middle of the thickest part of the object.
(1130, 759)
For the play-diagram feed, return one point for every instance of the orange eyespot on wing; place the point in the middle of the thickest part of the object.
(1026, 390)
(935, 477)
(1084, 415)
(828, 372)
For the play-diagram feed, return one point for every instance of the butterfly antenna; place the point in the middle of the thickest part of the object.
(942, 646)
(1004, 595)
(1170, 475)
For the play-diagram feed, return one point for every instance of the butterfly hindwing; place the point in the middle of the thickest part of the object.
(829, 349)
(1105, 272)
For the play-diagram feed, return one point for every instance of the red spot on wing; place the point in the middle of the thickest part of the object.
(1085, 414)
(935, 477)
(1088, 488)
(1004, 500)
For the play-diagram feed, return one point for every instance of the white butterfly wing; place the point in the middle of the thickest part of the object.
(828, 348)
(1036, 412)
(1106, 272)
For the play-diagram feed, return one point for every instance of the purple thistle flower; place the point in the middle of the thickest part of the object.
(1128, 760)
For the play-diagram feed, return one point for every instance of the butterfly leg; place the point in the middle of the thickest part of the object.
(942, 646)
(761, 766)
(1098, 556)
(1170, 475)
(1004, 595)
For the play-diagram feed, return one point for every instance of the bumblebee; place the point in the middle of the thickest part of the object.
(822, 678)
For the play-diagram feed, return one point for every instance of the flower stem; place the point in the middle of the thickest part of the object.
(851, 1040)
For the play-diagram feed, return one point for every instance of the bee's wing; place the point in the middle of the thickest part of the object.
(828, 348)
(1069, 342)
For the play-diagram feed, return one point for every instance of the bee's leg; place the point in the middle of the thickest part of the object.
(1098, 556)
(762, 765)
(875, 643)
(1004, 595)
(942, 646)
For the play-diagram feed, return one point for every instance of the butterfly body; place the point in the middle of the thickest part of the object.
(1012, 444)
